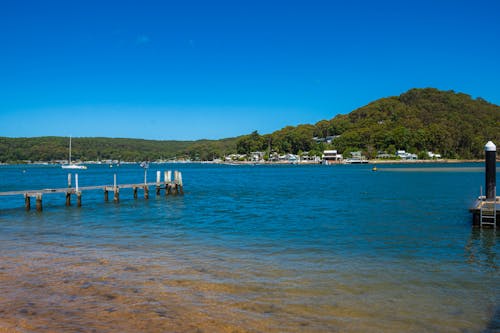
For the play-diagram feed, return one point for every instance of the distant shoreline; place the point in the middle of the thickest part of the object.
(410, 162)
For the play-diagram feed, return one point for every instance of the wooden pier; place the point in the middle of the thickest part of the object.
(171, 187)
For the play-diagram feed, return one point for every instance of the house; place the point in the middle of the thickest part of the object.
(433, 156)
(331, 155)
(356, 158)
(257, 156)
(406, 156)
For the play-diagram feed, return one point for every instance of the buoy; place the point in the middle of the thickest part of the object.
(374, 168)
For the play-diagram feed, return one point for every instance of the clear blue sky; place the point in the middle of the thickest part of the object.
(188, 70)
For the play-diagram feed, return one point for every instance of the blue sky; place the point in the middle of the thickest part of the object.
(188, 70)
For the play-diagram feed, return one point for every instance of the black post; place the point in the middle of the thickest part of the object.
(491, 169)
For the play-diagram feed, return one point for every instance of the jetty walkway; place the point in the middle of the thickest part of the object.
(171, 187)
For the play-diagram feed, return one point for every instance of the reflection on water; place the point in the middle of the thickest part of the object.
(481, 248)
(253, 249)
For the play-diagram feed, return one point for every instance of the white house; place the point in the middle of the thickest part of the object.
(331, 155)
(406, 156)
(432, 155)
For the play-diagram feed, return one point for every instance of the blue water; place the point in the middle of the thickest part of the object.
(251, 248)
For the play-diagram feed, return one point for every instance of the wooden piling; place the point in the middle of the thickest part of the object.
(27, 202)
(79, 199)
(39, 207)
(181, 187)
(135, 192)
(146, 192)
(106, 196)
(168, 182)
(69, 180)
(158, 182)
(68, 198)
(116, 197)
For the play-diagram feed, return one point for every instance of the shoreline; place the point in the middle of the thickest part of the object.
(440, 161)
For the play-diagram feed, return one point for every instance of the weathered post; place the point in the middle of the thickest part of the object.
(168, 182)
(181, 188)
(69, 180)
(175, 182)
(27, 201)
(76, 182)
(39, 202)
(135, 192)
(490, 165)
(68, 198)
(146, 192)
(106, 196)
(116, 190)
(79, 199)
(158, 182)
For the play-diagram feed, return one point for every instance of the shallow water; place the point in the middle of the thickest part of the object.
(251, 249)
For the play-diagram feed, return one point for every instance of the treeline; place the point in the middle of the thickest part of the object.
(420, 120)
(14, 150)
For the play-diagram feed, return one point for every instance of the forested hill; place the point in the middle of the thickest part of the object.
(91, 149)
(420, 120)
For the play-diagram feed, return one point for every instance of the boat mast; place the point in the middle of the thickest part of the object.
(69, 161)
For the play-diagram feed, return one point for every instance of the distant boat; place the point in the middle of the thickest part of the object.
(72, 165)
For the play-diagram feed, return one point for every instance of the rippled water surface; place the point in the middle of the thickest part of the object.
(251, 249)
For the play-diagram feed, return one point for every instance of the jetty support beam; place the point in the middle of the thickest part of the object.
(27, 201)
(39, 207)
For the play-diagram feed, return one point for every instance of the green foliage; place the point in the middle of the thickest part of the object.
(420, 120)
(87, 149)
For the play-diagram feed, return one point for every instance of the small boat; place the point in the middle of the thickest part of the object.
(72, 165)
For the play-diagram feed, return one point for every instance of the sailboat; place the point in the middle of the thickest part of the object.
(72, 165)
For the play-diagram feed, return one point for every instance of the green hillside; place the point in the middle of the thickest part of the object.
(420, 120)
(87, 149)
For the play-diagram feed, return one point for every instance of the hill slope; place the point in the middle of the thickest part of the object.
(420, 120)
(417, 121)
(56, 148)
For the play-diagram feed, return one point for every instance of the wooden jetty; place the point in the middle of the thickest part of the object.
(171, 187)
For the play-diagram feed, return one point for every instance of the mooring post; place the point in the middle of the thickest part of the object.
(177, 182)
(158, 183)
(135, 192)
(27, 201)
(39, 202)
(168, 182)
(68, 198)
(106, 197)
(76, 182)
(181, 189)
(146, 192)
(116, 197)
(69, 180)
(79, 199)
(491, 168)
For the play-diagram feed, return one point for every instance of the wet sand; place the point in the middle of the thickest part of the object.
(42, 293)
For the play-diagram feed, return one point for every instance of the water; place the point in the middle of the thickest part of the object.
(251, 249)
